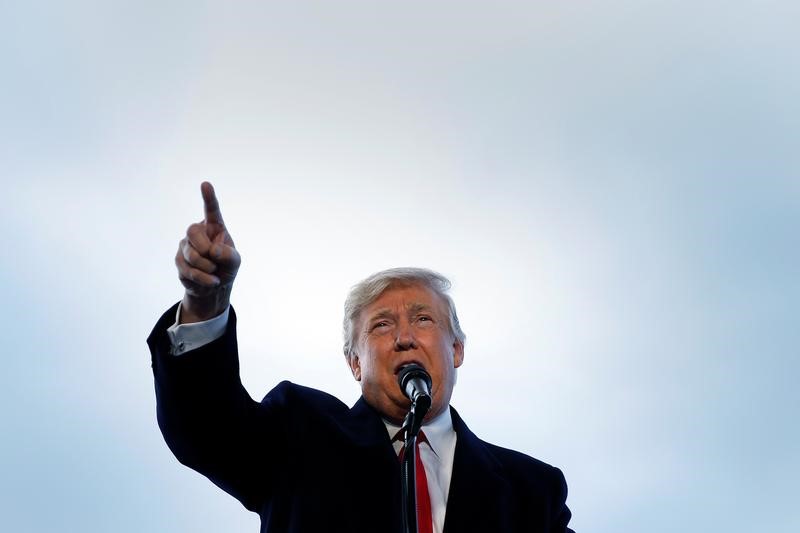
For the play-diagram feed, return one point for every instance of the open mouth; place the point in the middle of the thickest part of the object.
(406, 363)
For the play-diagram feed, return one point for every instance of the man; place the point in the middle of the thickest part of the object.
(303, 460)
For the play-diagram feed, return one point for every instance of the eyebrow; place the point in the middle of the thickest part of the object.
(417, 307)
(388, 313)
(381, 313)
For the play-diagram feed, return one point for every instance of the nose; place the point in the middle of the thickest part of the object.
(405, 339)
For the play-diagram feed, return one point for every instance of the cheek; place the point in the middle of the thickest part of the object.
(370, 368)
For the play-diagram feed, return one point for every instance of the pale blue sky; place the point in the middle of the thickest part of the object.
(613, 188)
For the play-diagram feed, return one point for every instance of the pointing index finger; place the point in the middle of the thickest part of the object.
(213, 215)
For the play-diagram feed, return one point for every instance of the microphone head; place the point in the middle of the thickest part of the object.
(412, 371)
(415, 382)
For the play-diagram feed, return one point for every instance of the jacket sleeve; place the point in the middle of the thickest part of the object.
(210, 422)
(561, 514)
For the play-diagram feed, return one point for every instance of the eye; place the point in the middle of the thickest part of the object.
(424, 318)
(380, 324)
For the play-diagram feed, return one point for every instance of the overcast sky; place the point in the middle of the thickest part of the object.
(612, 186)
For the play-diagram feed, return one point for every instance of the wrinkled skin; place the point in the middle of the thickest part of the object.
(405, 324)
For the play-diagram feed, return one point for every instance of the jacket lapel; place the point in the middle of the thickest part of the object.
(365, 427)
(479, 492)
(378, 471)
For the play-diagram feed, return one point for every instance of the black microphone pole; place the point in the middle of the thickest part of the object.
(415, 383)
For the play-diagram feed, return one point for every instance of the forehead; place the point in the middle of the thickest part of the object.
(398, 297)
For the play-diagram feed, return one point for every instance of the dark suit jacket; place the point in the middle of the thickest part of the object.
(305, 462)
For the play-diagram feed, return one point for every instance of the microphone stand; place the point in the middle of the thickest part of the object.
(408, 472)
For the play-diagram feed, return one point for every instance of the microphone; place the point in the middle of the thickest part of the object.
(415, 382)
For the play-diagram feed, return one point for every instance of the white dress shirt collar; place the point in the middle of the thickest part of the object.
(439, 432)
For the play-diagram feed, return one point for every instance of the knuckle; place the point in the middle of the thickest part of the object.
(200, 244)
(180, 262)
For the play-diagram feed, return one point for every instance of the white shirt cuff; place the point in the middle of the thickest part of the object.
(186, 337)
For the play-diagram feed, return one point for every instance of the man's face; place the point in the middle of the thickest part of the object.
(406, 324)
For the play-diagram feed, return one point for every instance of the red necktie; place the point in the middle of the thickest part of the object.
(424, 517)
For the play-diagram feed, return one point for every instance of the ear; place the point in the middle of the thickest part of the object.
(458, 353)
(355, 365)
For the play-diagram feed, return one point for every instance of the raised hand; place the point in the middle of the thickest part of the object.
(207, 263)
